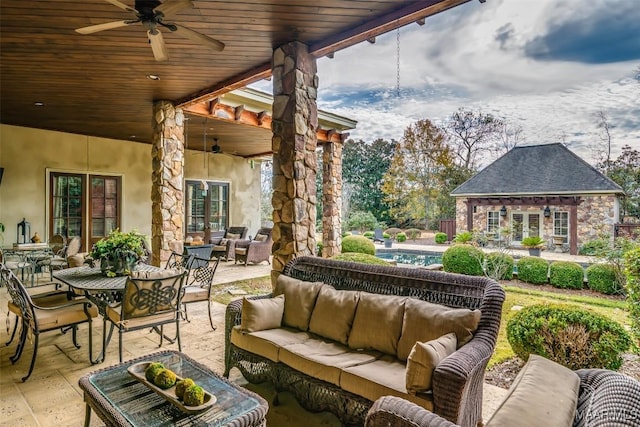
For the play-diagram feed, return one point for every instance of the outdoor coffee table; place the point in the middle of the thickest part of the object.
(120, 400)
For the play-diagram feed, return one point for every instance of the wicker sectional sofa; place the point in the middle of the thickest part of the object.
(346, 334)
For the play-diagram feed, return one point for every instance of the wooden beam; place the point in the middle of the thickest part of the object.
(237, 113)
(261, 116)
(395, 19)
(212, 105)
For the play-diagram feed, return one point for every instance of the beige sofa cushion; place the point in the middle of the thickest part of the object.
(233, 236)
(267, 343)
(543, 393)
(382, 377)
(261, 314)
(323, 359)
(378, 323)
(333, 313)
(424, 358)
(424, 321)
(300, 298)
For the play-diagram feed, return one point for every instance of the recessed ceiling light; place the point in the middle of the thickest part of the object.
(38, 104)
(153, 77)
(132, 137)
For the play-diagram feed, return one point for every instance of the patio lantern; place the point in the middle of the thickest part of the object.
(24, 231)
(547, 212)
(503, 211)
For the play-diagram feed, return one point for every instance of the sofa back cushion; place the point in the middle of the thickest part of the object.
(333, 313)
(299, 300)
(543, 393)
(425, 321)
(378, 323)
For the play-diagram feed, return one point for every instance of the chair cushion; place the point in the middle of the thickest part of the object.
(543, 393)
(233, 236)
(424, 321)
(241, 251)
(75, 260)
(261, 238)
(267, 343)
(323, 359)
(52, 319)
(113, 314)
(156, 274)
(377, 323)
(382, 377)
(300, 298)
(194, 294)
(333, 314)
(424, 358)
(261, 314)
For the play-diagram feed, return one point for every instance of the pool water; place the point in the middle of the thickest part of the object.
(410, 257)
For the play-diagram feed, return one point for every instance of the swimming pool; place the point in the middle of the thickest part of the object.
(410, 257)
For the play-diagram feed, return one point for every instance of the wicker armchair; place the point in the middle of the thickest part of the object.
(606, 398)
(256, 250)
(225, 247)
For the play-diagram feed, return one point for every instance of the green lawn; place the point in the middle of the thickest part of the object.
(516, 296)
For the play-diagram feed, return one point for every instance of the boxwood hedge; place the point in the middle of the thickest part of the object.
(566, 275)
(463, 259)
(533, 270)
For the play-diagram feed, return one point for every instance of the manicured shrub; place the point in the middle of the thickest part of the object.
(463, 237)
(533, 270)
(499, 266)
(602, 278)
(632, 271)
(413, 233)
(593, 247)
(441, 238)
(566, 275)
(359, 244)
(386, 235)
(319, 247)
(568, 335)
(362, 258)
(393, 231)
(368, 234)
(463, 259)
(401, 237)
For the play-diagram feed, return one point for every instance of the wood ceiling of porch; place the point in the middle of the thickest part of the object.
(96, 84)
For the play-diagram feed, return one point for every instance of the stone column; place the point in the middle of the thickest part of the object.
(167, 175)
(295, 120)
(331, 199)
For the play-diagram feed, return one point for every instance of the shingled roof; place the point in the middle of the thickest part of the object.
(549, 169)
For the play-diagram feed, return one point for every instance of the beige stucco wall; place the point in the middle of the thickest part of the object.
(29, 154)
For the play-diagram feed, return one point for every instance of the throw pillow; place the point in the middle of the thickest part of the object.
(378, 323)
(232, 236)
(425, 321)
(424, 358)
(261, 314)
(261, 238)
(333, 314)
(300, 298)
(543, 393)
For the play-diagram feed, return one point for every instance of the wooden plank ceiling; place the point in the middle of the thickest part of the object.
(97, 84)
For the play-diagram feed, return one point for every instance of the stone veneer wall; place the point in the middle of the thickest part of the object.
(295, 120)
(331, 199)
(596, 215)
(167, 176)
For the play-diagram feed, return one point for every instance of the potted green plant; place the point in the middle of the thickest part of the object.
(119, 252)
(534, 244)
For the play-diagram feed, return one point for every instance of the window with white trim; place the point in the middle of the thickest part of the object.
(493, 221)
(561, 225)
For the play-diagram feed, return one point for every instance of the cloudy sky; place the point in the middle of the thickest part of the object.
(548, 66)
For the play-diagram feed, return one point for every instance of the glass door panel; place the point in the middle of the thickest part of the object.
(66, 202)
(105, 206)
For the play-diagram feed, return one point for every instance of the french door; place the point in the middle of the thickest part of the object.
(83, 205)
(524, 224)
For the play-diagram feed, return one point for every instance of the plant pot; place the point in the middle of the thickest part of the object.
(388, 243)
(534, 251)
(118, 266)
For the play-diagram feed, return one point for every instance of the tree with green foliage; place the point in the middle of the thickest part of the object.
(414, 179)
(625, 171)
(363, 168)
(361, 221)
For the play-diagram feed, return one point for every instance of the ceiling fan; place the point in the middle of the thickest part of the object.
(151, 14)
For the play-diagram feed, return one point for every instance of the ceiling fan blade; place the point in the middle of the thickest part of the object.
(157, 45)
(101, 27)
(200, 38)
(121, 5)
(171, 7)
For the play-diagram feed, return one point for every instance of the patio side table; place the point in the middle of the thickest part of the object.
(120, 400)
